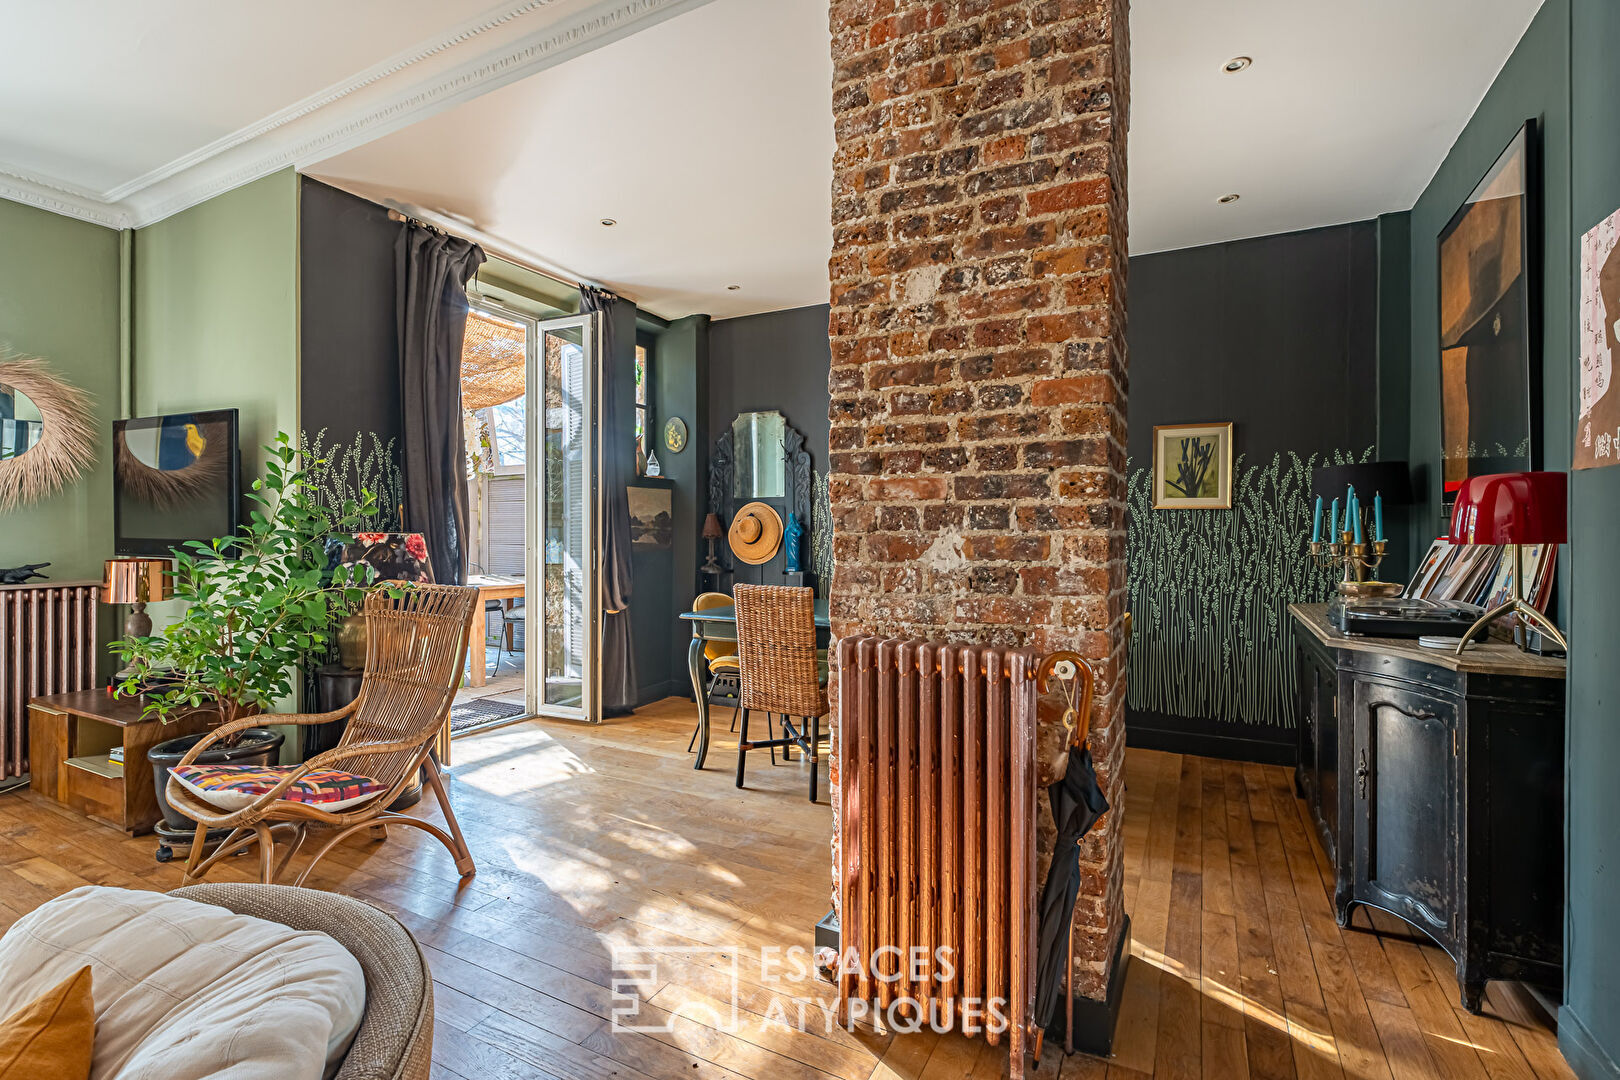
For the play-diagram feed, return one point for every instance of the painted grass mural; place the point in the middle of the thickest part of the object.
(1210, 589)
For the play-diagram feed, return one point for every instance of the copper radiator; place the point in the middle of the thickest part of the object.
(936, 758)
(47, 646)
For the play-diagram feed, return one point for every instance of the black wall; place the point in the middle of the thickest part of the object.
(1277, 335)
(779, 361)
(348, 337)
(776, 361)
(1280, 336)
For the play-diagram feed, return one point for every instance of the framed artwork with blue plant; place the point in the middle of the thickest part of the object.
(1192, 467)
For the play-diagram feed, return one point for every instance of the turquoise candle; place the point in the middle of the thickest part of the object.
(1355, 515)
(1333, 524)
(1316, 523)
(1378, 517)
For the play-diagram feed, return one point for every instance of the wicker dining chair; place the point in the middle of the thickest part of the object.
(416, 646)
(776, 645)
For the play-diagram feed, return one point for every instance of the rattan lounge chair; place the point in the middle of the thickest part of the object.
(416, 647)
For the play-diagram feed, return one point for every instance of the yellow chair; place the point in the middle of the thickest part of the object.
(721, 657)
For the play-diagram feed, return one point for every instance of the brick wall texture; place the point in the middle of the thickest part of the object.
(978, 347)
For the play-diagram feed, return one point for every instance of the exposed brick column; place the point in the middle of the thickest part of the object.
(978, 346)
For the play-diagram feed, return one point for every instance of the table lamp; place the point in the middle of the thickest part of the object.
(393, 557)
(713, 529)
(1513, 509)
(137, 582)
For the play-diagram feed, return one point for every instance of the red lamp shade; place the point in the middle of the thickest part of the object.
(1512, 508)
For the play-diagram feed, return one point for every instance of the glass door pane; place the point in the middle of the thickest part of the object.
(562, 433)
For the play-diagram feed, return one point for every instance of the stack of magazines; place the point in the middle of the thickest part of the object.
(1482, 574)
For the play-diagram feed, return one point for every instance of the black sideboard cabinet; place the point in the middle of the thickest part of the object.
(1436, 784)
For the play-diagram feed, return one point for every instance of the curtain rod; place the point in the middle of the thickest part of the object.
(492, 246)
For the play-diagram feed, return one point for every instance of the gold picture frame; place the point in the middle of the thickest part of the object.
(1195, 456)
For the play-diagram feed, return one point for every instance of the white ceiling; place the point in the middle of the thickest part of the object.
(708, 138)
(702, 126)
(1346, 113)
(125, 111)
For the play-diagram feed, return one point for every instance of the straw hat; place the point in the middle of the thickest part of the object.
(756, 533)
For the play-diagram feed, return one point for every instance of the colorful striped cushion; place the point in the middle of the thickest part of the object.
(232, 787)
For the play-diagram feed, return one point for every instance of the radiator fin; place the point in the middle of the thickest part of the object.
(937, 832)
(47, 646)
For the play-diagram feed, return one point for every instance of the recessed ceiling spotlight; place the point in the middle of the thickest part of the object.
(1237, 64)
(1229, 198)
(610, 222)
(733, 288)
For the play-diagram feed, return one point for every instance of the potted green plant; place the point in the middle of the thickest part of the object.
(257, 605)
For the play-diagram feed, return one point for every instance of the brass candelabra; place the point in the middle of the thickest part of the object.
(1358, 562)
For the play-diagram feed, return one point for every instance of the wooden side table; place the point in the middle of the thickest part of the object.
(69, 738)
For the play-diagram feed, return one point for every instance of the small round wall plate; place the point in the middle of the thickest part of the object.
(675, 435)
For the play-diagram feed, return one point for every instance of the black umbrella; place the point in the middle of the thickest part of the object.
(1077, 803)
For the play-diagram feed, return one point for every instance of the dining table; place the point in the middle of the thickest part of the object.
(503, 587)
(720, 624)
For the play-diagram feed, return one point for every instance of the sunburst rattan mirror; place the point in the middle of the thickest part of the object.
(47, 431)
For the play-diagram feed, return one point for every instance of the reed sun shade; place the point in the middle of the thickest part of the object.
(493, 358)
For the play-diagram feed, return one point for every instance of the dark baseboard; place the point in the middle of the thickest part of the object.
(1094, 1021)
(827, 935)
(1586, 1058)
(656, 692)
(1208, 738)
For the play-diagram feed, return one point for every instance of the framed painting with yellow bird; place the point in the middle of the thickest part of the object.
(176, 478)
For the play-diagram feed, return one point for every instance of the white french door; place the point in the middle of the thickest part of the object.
(564, 521)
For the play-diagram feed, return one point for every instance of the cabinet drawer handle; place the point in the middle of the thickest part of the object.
(1421, 714)
(1361, 774)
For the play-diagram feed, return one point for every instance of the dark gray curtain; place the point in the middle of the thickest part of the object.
(431, 271)
(618, 656)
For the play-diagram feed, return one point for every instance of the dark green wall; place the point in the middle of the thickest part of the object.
(680, 388)
(1589, 1025)
(1562, 73)
(1533, 84)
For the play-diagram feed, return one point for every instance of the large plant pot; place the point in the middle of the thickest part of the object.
(258, 746)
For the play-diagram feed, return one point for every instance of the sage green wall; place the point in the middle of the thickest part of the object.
(59, 301)
(216, 311)
(216, 322)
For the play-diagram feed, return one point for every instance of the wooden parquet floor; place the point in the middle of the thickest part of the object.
(595, 838)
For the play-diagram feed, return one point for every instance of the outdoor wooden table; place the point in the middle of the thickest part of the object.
(490, 587)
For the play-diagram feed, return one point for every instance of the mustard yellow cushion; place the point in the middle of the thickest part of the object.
(725, 663)
(53, 1036)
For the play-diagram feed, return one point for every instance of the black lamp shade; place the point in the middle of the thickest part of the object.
(1391, 479)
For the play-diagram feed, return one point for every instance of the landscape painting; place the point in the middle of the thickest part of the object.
(1192, 467)
(652, 522)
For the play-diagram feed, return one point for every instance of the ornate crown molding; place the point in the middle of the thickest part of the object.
(517, 40)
